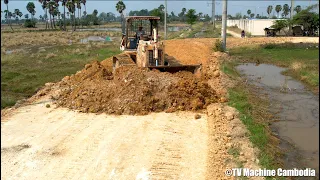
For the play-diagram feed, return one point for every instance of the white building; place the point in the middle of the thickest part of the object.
(253, 26)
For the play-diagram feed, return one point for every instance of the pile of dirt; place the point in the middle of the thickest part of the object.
(132, 90)
(188, 53)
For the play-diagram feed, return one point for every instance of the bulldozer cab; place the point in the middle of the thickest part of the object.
(130, 39)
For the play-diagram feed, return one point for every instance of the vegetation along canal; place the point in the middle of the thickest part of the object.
(297, 109)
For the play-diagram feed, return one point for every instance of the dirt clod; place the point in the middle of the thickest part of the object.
(223, 99)
(197, 116)
(47, 105)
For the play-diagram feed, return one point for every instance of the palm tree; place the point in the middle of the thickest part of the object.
(51, 6)
(120, 6)
(252, 15)
(31, 9)
(249, 12)
(184, 10)
(297, 9)
(78, 3)
(44, 6)
(84, 2)
(269, 10)
(57, 13)
(278, 9)
(71, 9)
(286, 9)
(64, 13)
(7, 2)
(161, 7)
(14, 16)
(41, 17)
(20, 15)
(17, 12)
(85, 7)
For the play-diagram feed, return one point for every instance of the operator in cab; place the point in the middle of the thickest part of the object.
(140, 32)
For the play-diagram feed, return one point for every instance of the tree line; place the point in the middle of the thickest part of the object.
(307, 18)
(285, 9)
(181, 17)
(72, 14)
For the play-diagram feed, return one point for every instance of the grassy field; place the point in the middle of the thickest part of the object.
(17, 40)
(302, 60)
(24, 72)
(41, 26)
(36, 58)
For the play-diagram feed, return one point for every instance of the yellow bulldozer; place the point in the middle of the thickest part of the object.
(143, 48)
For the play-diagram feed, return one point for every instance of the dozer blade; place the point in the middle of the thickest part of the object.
(122, 60)
(172, 69)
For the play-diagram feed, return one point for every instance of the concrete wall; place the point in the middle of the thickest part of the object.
(254, 26)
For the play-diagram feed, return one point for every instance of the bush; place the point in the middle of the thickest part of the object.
(218, 46)
(30, 23)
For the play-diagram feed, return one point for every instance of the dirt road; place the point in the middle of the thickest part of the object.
(234, 34)
(46, 143)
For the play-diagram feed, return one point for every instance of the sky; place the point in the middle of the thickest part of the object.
(234, 6)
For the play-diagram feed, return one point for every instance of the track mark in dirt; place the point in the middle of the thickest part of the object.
(15, 148)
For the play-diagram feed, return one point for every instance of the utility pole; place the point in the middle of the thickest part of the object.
(165, 20)
(291, 10)
(213, 14)
(224, 24)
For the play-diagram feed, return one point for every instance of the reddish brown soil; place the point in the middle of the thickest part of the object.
(133, 90)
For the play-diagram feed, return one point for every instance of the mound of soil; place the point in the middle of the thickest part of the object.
(133, 90)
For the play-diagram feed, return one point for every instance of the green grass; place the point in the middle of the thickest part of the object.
(235, 152)
(22, 74)
(241, 99)
(301, 60)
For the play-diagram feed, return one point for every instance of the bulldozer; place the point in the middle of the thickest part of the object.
(142, 47)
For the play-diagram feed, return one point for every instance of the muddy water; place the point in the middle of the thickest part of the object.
(298, 112)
